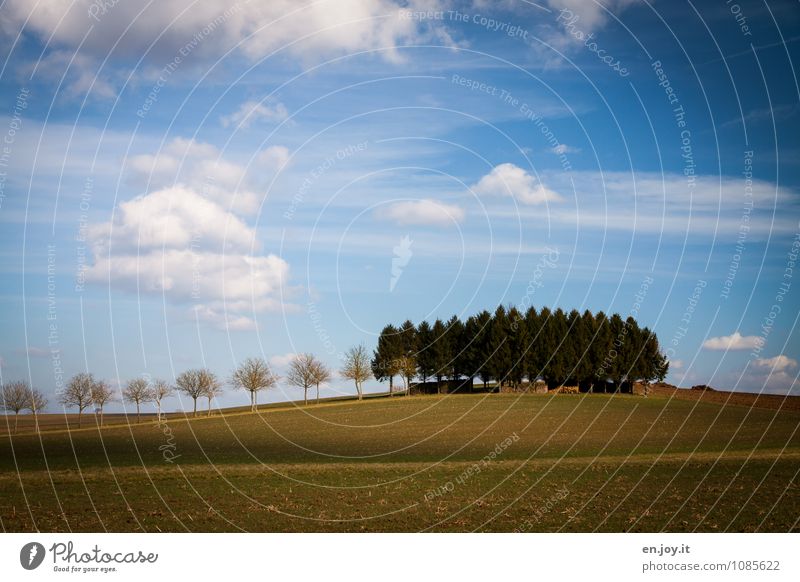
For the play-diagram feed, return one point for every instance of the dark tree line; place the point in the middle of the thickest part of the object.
(593, 351)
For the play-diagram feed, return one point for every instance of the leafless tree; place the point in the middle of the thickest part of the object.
(15, 397)
(36, 403)
(322, 374)
(253, 375)
(78, 393)
(211, 386)
(138, 391)
(357, 367)
(302, 373)
(407, 366)
(189, 383)
(161, 389)
(102, 394)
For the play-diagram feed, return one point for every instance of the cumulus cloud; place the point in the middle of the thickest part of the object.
(777, 364)
(422, 212)
(510, 180)
(309, 31)
(180, 241)
(253, 111)
(281, 361)
(735, 341)
(675, 365)
(202, 167)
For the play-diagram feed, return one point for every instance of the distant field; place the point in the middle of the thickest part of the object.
(561, 463)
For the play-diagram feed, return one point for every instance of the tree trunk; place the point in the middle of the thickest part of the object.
(80, 414)
(391, 383)
(16, 421)
(158, 409)
(305, 396)
(358, 389)
(317, 393)
(209, 407)
(194, 413)
(101, 416)
(137, 412)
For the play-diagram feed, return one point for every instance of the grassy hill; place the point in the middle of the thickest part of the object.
(458, 463)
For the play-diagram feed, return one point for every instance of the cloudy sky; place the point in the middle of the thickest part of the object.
(186, 184)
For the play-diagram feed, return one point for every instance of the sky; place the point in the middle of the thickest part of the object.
(189, 184)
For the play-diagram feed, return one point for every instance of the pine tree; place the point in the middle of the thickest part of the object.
(533, 362)
(499, 347)
(408, 350)
(441, 352)
(520, 344)
(480, 363)
(386, 359)
(425, 351)
(455, 331)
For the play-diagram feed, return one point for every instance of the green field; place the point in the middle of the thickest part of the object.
(561, 463)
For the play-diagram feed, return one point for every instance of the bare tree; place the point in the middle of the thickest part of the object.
(322, 374)
(15, 397)
(102, 394)
(36, 403)
(407, 365)
(161, 389)
(137, 391)
(188, 382)
(357, 367)
(302, 373)
(253, 375)
(78, 392)
(210, 385)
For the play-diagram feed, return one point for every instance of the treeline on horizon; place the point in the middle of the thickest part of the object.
(591, 351)
(595, 352)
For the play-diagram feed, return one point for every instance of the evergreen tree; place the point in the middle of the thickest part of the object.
(441, 352)
(425, 351)
(599, 350)
(533, 327)
(520, 344)
(498, 350)
(455, 331)
(408, 350)
(480, 363)
(386, 358)
(585, 335)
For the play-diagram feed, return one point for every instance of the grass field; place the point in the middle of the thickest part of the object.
(491, 462)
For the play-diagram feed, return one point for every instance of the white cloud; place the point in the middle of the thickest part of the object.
(201, 167)
(313, 31)
(281, 361)
(173, 218)
(274, 157)
(675, 365)
(777, 364)
(508, 179)
(37, 352)
(183, 243)
(253, 111)
(563, 148)
(591, 15)
(422, 212)
(735, 341)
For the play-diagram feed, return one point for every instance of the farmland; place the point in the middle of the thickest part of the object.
(488, 462)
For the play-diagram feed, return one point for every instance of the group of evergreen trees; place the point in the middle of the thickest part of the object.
(593, 351)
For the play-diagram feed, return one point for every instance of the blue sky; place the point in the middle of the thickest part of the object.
(192, 185)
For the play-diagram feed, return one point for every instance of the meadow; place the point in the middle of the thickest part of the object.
(483, 462)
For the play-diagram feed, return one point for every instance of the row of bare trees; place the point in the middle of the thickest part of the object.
(20, 396)
(252, 375)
